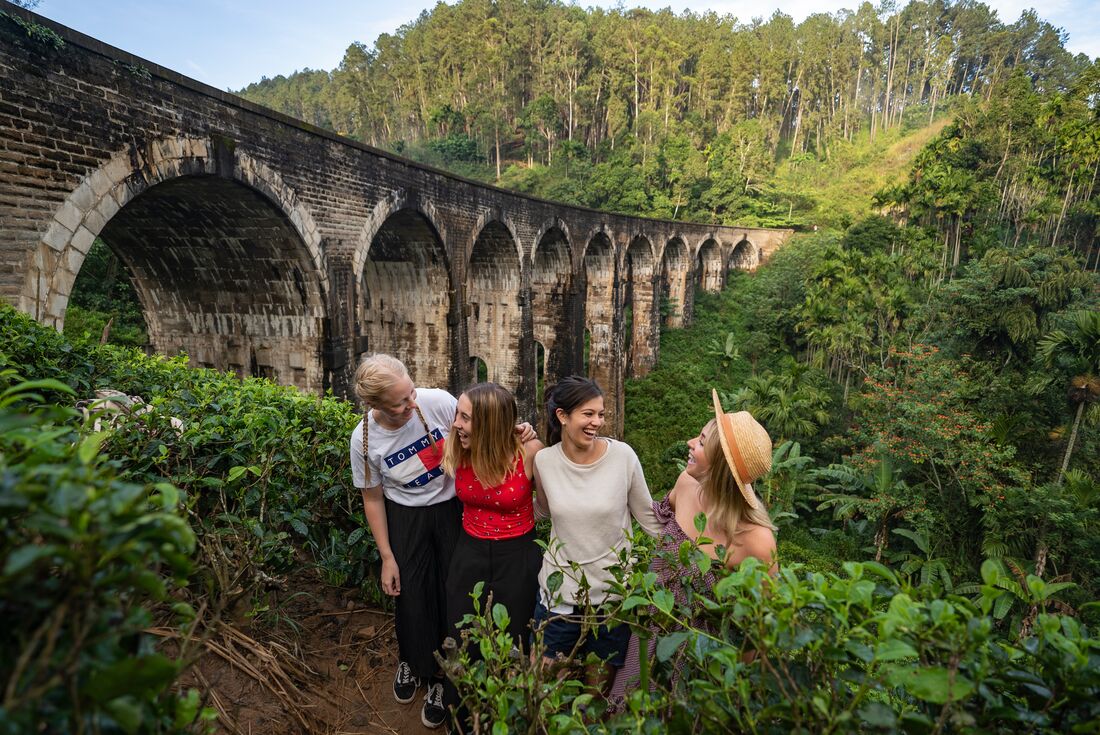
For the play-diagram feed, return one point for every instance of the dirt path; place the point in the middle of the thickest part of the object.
(332, 675)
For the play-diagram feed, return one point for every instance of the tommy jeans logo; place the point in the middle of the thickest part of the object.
(418, 463)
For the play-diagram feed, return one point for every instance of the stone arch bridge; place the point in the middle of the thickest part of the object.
(260, 244)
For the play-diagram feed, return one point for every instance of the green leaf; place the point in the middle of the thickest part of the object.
(894, 650)
(143, 676)
(26, 556)
(553, 582)
(187, 708)
(500, 616)
(992, 571)
(700, 521)
(669, 644)
(877, 714)
(127, 712)
(184, 611)
(89, 447)
(664, 600)
(935, 684)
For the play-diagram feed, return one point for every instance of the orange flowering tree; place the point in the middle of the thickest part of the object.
(918, 418)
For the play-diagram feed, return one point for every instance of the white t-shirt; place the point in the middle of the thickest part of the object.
(590, 510)
(411, 471)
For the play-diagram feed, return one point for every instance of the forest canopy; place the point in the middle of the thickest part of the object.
(649, 112)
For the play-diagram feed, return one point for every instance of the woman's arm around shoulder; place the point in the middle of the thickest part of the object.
(638, 499)
(531, 447)
(542, 507)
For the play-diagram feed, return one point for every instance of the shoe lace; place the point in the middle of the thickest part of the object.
(404, 673)
(435, 695)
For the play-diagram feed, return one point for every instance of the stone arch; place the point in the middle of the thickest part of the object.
(128, 173)
(553, 299)
(396, 201)
(708, 265)
(636, 242)
(495, 218)
(675, 294)
(405, 294)
(494, 315)
(602, 323)
(242, 287)
(600, 233)
(640, 306)
(745, 256)
(554, 224)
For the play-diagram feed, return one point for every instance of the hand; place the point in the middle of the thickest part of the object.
(391, 577)
(526, 432)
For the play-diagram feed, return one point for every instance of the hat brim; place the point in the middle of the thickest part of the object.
(729, 450)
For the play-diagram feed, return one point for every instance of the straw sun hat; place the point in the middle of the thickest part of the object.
(747, 447)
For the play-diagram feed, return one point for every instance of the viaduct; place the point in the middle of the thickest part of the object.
(261, 244)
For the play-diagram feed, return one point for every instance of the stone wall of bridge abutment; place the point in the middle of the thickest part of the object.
(261, 244)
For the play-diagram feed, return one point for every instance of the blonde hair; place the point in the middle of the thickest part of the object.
(726, 506)
(494, 446)
(375, 375)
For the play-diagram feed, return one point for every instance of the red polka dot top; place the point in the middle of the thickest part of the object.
(503, 511)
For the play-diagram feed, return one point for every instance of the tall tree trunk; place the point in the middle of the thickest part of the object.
(1062, 214)
(496, 134)
(1072, 441)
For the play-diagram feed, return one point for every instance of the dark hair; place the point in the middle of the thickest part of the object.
(569, 393)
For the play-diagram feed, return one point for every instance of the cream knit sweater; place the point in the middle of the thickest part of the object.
(590, 507)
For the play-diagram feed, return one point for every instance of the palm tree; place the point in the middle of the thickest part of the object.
(783, 403)
(1076, 351)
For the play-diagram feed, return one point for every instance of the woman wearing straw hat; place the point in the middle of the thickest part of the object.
(731, 452)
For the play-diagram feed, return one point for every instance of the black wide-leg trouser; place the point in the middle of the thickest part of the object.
(509, 569)
(423, 542)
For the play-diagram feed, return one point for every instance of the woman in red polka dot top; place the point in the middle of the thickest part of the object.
(493, 473)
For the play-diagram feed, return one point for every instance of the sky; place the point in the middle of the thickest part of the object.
(229, 44)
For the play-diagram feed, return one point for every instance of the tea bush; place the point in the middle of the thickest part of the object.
(809, 653)
(263, 465)
(84, 552)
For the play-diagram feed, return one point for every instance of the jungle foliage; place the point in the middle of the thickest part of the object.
(929, 374)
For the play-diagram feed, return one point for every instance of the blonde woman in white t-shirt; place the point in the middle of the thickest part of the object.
(591, 487)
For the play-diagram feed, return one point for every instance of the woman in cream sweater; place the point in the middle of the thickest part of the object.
(591, 487)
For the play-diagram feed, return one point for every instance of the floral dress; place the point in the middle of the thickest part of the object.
(669, 577)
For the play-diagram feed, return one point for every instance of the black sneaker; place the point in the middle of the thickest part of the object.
(404, 684)
(434, 713)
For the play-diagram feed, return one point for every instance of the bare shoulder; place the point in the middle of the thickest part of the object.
(686, 486)
(755, 541)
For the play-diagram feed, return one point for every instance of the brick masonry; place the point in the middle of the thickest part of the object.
(261, 244)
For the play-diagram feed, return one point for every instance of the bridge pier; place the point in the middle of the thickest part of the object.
(676, 283)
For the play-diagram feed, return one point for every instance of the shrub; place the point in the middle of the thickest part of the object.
(84, 555)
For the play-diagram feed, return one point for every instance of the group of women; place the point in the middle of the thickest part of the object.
(451, 491)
